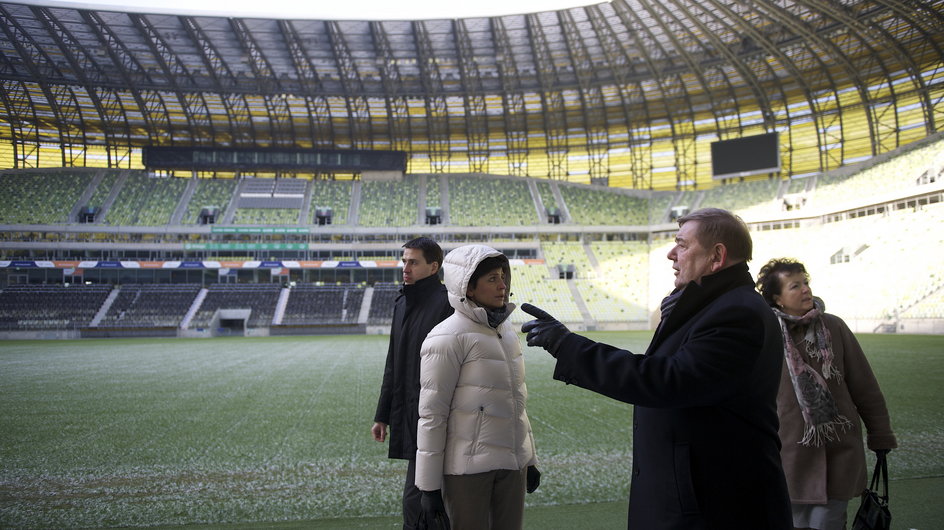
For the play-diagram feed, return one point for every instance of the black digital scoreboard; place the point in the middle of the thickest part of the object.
(247, 159)
(748, 155)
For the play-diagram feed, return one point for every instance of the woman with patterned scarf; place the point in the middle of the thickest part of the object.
(827, 391)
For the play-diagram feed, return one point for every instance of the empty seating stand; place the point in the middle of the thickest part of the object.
(260, 298)
(381, 305)
(317, 304)
(50, 307)
(150, 305)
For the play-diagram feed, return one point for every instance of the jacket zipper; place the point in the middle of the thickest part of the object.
(478, 430)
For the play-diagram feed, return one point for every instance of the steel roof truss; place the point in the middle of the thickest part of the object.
(513, 104)
(476, 106)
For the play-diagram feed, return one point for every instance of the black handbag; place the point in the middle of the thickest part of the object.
(439, 522)
(873, 513)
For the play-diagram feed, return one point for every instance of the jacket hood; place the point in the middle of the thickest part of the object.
(458, 267)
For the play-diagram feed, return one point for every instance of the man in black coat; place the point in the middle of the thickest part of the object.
(421, 305)
(706, 453)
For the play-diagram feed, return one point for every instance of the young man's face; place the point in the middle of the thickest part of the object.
(415, 266)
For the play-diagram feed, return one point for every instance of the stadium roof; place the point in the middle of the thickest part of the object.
(292, 9)
(628, 92)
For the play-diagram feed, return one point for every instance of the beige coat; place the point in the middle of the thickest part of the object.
(472, 389)
(836, 470)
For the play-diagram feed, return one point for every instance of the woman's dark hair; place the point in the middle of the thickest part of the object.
(486, 266)
(768, 279)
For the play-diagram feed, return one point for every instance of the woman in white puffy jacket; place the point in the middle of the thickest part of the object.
(475, 447)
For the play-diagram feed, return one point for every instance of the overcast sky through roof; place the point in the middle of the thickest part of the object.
(326, 9)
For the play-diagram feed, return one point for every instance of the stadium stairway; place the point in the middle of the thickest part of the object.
(106, 305)
(565, 211)
(444, 198)
(184, 202)
(110, 199)
(696, 202)
(194, 307)
(86, 195)
(539, 205)
(591, 257)
(421, 198)
(305, 214)
(365, 306)
(233, 203)
(280, 306)
(588, 319)
(355, 208)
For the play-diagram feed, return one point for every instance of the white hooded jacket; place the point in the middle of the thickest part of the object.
(472, 389)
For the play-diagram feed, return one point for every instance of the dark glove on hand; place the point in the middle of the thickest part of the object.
(534, 479)
(432, 504)
(546, 331)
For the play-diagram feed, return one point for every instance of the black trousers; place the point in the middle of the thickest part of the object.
(412, 511)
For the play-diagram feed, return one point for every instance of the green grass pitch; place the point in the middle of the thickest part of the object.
(236, 433)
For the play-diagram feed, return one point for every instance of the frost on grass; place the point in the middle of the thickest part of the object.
(305, 491)
(581, 477)
(352, 487)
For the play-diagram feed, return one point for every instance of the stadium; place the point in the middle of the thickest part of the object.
(173, 180)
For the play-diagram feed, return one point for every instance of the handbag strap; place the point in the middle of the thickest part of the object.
(880, 474)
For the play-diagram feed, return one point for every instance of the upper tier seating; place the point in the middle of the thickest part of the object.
(476, 201)
(210, 193)
(659, 204)
(895, 175)
(389, 203)
(104, 189)
(798, 185)
(590, 206)
(740, 195)
(334, 194)
(40, 198)
(266, 216)
(146, 201)
(433, 195)
(686, 199)
(547, 196)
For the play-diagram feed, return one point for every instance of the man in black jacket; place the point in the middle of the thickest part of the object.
(706, 453)
(421, 305)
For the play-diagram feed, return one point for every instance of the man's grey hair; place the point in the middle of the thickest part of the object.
(721, 226)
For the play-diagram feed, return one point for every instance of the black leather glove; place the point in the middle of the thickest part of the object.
(534, 479)
(546, 331)
(434, 509)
